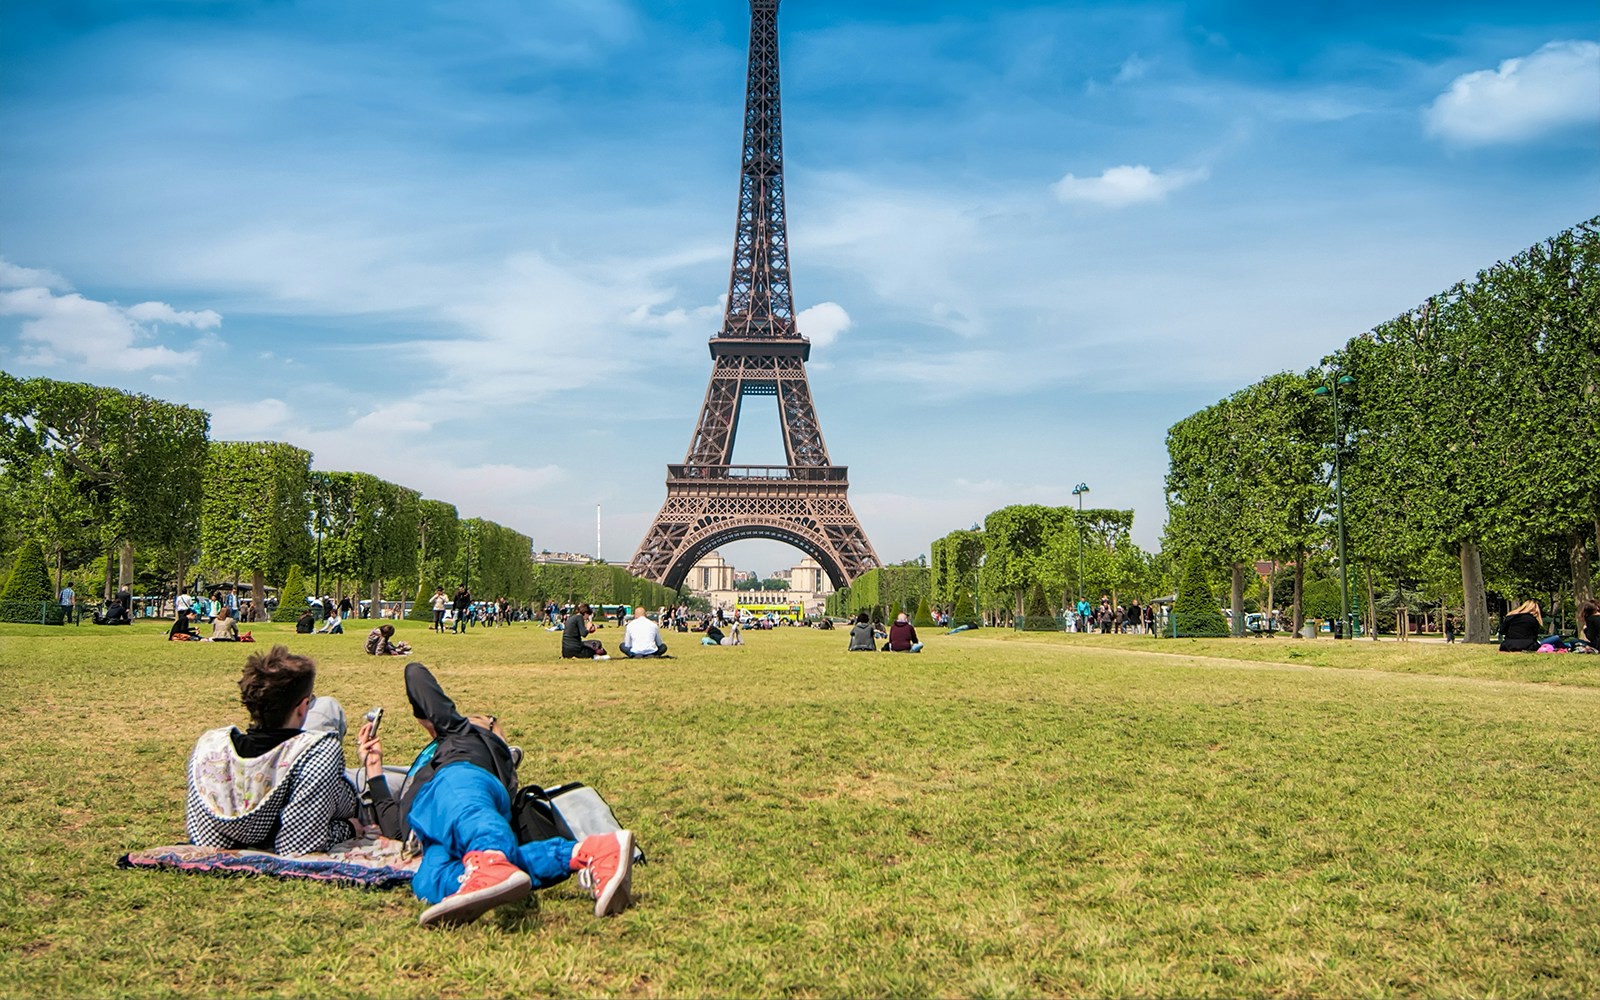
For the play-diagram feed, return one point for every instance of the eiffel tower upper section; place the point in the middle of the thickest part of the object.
(757, 352)
(760, 306)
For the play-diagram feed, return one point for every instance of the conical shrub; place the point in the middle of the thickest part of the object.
(26, 596)
(964, 613)
(292, 598)
(1195, 611)
(1038, 617)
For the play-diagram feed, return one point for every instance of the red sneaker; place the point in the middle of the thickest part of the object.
(488, 881)
(604, 863)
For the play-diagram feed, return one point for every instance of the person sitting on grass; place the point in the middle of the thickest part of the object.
(1520, 630)
(333, 624)
(902, 637)
(224, 627)
(380, 642)
(642, 637)
(306, 623)
(182, 627)
(1589, 625)
(458, 805)
(276, 786)
(861, 637)
(573, 644)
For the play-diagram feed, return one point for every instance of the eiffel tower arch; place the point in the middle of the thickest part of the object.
(757, 352)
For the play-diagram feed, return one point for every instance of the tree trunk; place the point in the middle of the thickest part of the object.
(1299, 587)
(125, 567)
(1473, 596)
(111, 560)
(1372, 606)
(1582, 580)
(1237, 598)
(58, 571)
(375, 609)
(258, 595)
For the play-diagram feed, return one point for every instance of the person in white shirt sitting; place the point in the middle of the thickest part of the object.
(642, 637)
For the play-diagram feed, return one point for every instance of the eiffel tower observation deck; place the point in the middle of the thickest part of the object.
(757, 352)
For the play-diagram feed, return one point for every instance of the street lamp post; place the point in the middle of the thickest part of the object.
(1331, 390)
(1078, 491)
(318, 586)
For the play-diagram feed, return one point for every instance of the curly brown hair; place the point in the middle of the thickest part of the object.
(273, 683)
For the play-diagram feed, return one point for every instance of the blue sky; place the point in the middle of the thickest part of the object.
(477, 249)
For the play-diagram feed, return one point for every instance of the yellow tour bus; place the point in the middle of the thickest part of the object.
(789, 612)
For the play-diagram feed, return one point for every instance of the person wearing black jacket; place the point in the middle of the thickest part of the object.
(573, 643)
(457, 803)
(1520, 630)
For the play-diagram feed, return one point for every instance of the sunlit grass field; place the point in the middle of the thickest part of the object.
(999, 816)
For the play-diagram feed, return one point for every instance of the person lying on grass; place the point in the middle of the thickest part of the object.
(458, 805)
(276, 786)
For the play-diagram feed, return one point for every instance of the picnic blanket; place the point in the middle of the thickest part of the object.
(372, 863)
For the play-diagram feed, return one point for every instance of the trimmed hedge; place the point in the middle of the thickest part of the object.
(26, 596)
(292, 598)
(963, 613)
(1195, 611)
(1038, 617)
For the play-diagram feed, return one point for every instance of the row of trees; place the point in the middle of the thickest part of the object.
(85, 470)
(1462, 430)
(1065, 552)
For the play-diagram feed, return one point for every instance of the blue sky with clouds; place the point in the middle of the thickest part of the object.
(478, 248)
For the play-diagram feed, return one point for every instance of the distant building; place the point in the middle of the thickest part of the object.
(743, 575)
(713, 579)
(808, 578)
(710, 574)
(563, 558)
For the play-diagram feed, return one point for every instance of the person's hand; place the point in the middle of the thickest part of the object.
(359, 831)
(370, 748)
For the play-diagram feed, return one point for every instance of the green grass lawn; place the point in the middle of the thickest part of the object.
(999, 816)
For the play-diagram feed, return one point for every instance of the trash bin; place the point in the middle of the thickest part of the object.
(1308, 630)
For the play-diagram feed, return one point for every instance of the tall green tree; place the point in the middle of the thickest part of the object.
(254, 514)
(371, 528)
(1214, 457)
(129, 460)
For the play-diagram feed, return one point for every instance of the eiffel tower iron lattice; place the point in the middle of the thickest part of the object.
(758, 352)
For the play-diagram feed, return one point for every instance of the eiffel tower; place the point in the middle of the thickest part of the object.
(758, 352)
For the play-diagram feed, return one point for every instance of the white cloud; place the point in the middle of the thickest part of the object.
(1556, 87)
(1125, 185)
(822, 323)
(251, 421)
(14, 276)
(1133, 68)
(394, 418)
(160, 312)
(74, 330)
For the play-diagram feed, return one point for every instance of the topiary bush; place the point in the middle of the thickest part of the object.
(1195, 612)
(422, 606)
(963, 613)
(924, 616)
(292, 598)
(26, 596)
(1038, 617)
